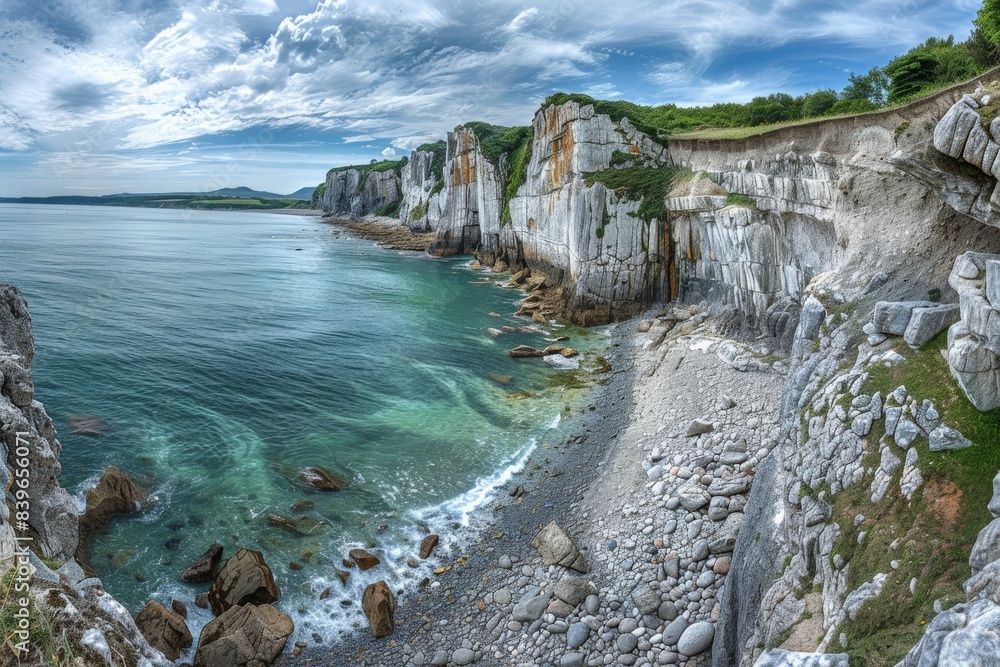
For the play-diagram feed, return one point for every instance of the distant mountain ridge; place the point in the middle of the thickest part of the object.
(241, 191)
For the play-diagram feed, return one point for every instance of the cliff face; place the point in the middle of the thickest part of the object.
(846, 215)
(420, 209)
(95, 625)
(589, 239)
(356, 193)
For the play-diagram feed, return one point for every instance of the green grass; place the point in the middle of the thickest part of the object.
(646, 185)
(440, 150)
(519, 160)
(935, 531)
(389, 210)
(417, 211)
(741, 200)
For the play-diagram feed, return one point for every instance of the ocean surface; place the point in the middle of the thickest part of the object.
(227, 351)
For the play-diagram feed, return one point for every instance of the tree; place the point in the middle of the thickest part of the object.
(910, 74)
(873, 86)
(818, 103)
(988, 21)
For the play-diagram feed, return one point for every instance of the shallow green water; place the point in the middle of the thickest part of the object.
(228, 351)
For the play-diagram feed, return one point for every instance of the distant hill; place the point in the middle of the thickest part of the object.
(242, 191)
(302, 193)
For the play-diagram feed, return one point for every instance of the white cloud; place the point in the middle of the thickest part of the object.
(523, 19)
(102, 77)
(388, 152)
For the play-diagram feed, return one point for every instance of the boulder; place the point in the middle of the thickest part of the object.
(365, 560)
(427, 546)
(892, 317)
(693, 497)
(574, 590)
(244, 636)
(724, 539)
(966, 634)
(164, 629)
(245, 579)
(696, 638)
(203, 568)
(115, 493)
(976, 368)
(557, 548)
(925, 323)
(379, 606)
(320, 479)
(524, 351)
(698, 427)
(945, 437)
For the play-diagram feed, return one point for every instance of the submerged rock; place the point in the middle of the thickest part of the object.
(379, 606)
(87, 425)
(321, 479)
(525, 351)
(244, 579)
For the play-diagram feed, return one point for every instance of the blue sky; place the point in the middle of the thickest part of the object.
(104, 96)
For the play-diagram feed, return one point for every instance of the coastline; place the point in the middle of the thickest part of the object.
(387, 233)
(629, 531)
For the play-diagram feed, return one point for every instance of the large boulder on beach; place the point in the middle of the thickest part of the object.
(379, 606)
(427, 546)
(165, 630)
(115, 493)
(244, 636)
(557, 548)
(244, 579)
(203, 568)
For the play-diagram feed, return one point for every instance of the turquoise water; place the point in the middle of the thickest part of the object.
(226, 351)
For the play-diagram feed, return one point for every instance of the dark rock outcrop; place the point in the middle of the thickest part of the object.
(244, 636)
(115, 493)
(244, 579)
(165, 630)
(203, 569)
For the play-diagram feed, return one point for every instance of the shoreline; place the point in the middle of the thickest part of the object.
(388, 233)
(655, 568)
(516, 518)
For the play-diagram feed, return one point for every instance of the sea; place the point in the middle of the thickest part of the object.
(214, 355)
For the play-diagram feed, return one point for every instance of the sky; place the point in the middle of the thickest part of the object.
(109, 96)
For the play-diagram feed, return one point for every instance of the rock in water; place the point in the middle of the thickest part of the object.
(365, 560)
(165, 630)
(115, 493)
(203, 568)
(244, 579)
(557, 548)
(379, 606)
(87, 425)
(523, 351)
(427, 546)
(320, 479)
(244, 636)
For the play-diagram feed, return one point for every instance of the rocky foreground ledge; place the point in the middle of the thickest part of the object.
(614, 547)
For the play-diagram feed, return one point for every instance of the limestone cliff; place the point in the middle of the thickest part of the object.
(95, 625)
(420, 209)
(359, 191)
